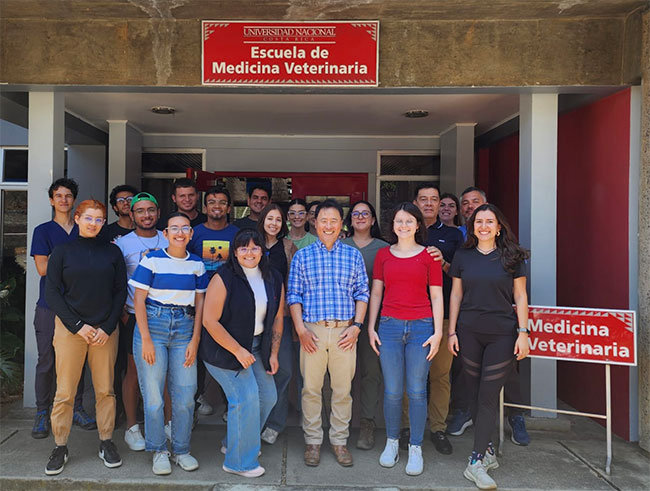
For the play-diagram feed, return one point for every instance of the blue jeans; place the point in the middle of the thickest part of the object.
(277, 420)
(171, 330)
(403, 357)
(251, 396)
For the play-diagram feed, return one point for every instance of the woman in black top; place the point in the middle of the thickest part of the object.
(488, 273)
(242, 317)
(86, 288)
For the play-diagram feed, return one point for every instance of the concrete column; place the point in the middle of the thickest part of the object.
(124, 154)
(538, 222)
(643, 341)
(45, 164)
(457, 158)
(87, 164)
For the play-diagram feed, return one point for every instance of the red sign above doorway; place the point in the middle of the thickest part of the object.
(589, 335)
(333, 53)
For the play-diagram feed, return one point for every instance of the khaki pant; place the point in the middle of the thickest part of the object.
(439, 387)
(71, 351)
(313, 366)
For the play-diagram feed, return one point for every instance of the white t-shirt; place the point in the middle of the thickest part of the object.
(255, 280)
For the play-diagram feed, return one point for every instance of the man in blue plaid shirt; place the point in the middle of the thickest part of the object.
(328, 296)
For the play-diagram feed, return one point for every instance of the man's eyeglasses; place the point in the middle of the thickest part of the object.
(145, 211)
(90, 220)
(121, 200)
(299, 214)
(249, 250)
(175, 229)
(360, 214)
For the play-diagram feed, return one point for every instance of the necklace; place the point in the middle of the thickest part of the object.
(485, 253)
(149, 249)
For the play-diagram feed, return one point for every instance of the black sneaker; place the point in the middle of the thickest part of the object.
(58, 458)
(41, 428)
(108, 453)
(83, 419)
(441, 442)
(404, 438)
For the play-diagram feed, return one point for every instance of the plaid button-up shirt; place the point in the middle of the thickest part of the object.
(327, 283)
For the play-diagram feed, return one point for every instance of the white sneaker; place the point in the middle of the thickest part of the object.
(415, 465)
(205, 409)
(161, 465)
(269, 435)
(134, 439)
(478, 475)
(257, 472)
(168, 431)
(490, 461)
(390, 456)
(186, 462)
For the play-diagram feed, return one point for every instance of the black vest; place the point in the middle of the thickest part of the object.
(238, 318)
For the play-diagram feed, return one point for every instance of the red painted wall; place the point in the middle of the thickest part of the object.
(592, 230)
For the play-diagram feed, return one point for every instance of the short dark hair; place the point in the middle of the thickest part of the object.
(184, 182)
(411, 209)
(177, 214)
(112, 199)
(298, 201)
(216, 190)
(241, 239)
(374, 229)
(473, 188)
(330, 203)
(264, 188)
(426, 185)
(453, 197)
(284, 230)
(63, 182)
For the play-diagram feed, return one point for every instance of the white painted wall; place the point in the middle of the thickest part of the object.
(12, 134)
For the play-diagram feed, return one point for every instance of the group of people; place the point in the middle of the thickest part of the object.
(155, 304)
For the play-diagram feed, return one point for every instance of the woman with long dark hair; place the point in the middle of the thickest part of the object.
(488, 273)
(407, 284)
(365, 236)
(243, 323)
(449, 208)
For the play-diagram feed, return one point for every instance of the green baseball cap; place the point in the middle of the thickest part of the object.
(143, 197)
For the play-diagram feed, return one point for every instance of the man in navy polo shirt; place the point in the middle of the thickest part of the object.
(46, 237)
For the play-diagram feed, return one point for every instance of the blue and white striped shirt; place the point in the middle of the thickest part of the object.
(170, 280)
(327, 283)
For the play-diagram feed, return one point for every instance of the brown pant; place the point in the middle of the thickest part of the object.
(71, 351)
(439, 387)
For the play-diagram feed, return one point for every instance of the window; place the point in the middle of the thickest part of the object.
(13, 165)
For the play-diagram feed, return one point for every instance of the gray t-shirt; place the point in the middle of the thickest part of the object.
(134, 248)
(368, 252)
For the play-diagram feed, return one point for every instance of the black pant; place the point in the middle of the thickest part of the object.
(487, 362)
(45, 379)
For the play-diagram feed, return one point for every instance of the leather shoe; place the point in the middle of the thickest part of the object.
(441, 442)
(312, 455)
(343, 455)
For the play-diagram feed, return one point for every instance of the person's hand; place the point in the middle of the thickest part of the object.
(148, 351)
(100, 337)
(435, 253)
(374, 340)
(308, 340)
(348, 338)
(521, 346)
(124, 317)
(190, 353)
(452, 344)
(87, 332)
(244, 357)
(434, 343)
(273, 362)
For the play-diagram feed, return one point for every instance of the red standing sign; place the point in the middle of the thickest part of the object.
(331, 53)
(589, 335)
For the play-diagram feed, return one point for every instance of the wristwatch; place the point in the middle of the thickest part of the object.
(523, 329)
(358, 324)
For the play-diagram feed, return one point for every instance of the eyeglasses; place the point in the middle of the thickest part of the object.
(220, 202)
(121, 200)
(90, 220)
(145, 211)
(175, 229)
(360, 214)
(299, 214)
(249, 250)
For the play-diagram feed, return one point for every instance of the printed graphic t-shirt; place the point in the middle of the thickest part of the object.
(212, 246)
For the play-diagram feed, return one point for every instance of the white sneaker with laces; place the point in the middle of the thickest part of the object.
(390, 456)
(161, 465)
(257, 472)
(269, 435)
(134, 439)
(478, 475)
(415, 465)
(186, 462)
(168, 431)
(490, 461)
(205, 409)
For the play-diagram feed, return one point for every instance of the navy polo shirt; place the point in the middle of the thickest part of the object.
(448, 240)
(46, 237)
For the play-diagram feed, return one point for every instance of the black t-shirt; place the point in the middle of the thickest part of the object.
(245, 222)
(112, 232)
(278, 258)
(448, 240)
(487, 291)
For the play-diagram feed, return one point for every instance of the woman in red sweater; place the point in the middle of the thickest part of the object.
(410, 281)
